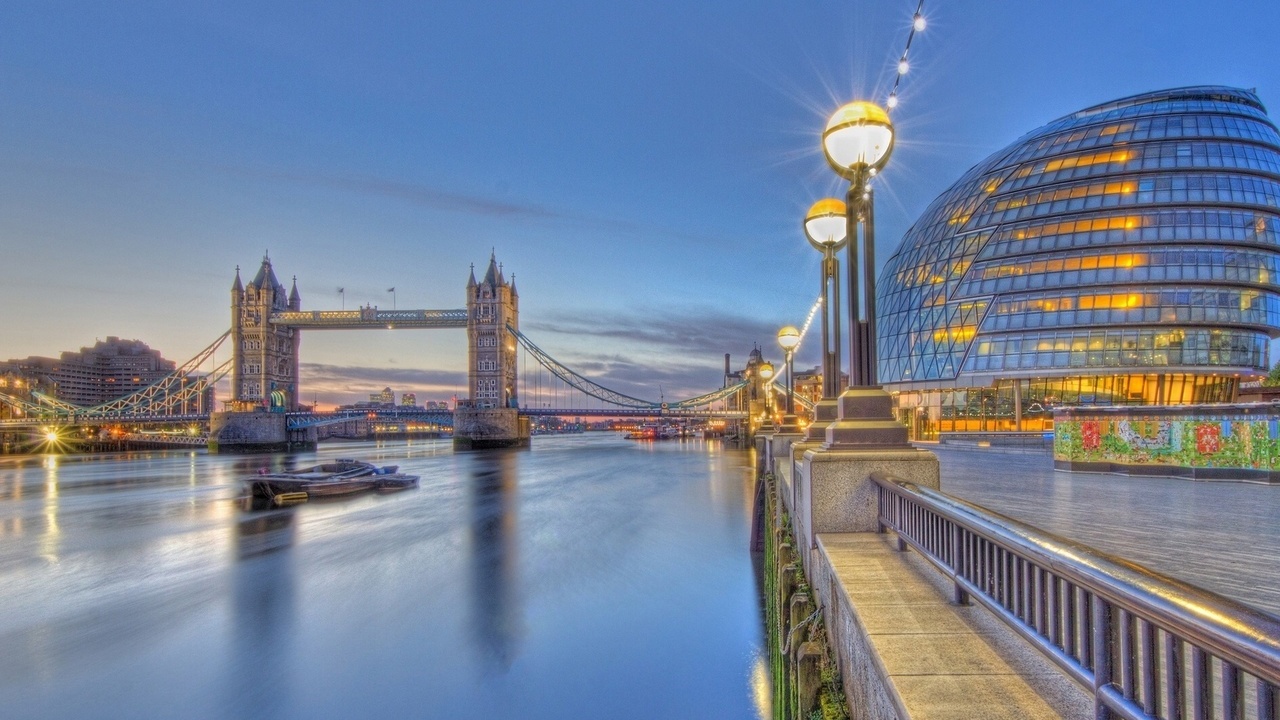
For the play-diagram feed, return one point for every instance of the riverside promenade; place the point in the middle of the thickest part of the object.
(905, 649)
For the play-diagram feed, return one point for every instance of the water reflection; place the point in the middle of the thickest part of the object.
(262, 616)
(259, 533)
(49, 540)
(496, 612)
(586, 578)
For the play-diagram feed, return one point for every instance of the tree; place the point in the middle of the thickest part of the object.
(1273, 377)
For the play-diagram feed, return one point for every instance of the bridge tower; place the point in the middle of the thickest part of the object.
(265, 371)
(492, 305)
(491, 417)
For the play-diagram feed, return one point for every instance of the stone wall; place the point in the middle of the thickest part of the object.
(485, 428)
(237, 432)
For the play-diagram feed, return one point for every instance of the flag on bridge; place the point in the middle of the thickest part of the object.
(391, 289)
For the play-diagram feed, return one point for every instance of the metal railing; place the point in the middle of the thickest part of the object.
(1149, 646)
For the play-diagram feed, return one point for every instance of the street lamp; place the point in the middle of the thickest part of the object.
(788, 340)
(826, 226)
(766, 374)
(857, 142)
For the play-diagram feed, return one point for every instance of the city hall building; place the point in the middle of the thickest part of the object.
(1124, 254)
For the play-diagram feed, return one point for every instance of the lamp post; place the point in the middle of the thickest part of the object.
(857, 142)
(766, 374)
(826, 227)
(788, 340)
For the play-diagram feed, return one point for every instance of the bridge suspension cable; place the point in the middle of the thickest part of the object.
(613, 397)
(578, 382)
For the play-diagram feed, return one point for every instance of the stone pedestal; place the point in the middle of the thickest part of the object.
(248, 432)
(489, 428)
(780, 452)
(865, 420)
(834, 492)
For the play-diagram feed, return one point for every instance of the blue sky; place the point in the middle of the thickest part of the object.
(641, 167)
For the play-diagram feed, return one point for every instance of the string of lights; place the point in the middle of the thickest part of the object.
(807, 322)
(917, 25)
(803, 331)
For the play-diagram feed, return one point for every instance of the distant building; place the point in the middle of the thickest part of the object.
(808, 383)
(109, 370)
(386, 400)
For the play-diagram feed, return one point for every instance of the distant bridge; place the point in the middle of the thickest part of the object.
(266, 364)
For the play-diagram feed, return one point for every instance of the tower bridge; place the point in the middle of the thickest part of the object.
(264, 412)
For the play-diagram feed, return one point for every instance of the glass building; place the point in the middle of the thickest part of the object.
(1124, 254)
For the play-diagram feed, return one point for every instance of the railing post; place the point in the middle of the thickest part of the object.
(1173, 677)
(1266, 700)
(1232, 707)
(1201, 687)
(1102, 665)
(959, 595)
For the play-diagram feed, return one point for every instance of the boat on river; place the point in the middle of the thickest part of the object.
(394, 482)
(339, 478)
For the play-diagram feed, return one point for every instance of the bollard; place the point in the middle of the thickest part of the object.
(808, 676)
(786, 586)
(800, 609)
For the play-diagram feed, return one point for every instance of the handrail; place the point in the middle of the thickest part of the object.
(1113, 625)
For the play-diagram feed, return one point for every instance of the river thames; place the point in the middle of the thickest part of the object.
(589, 577)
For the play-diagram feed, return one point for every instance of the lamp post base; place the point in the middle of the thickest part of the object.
(865, 422)
(825, 412)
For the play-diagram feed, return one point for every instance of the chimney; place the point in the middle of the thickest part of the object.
(726, 363)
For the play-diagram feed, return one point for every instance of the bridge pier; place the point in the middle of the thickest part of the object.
(489, 428)
(256, 431)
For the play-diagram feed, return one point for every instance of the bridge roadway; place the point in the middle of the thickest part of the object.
(1222, 536)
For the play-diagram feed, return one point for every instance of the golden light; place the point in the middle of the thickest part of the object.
(50, 435)
(789, 337)
(826, 224)
(766, 370)
(858, 137)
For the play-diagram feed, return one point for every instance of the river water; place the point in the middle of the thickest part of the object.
(591, 576)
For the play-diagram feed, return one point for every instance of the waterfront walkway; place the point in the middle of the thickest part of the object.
(1222, 536)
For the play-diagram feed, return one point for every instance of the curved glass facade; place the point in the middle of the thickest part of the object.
(1135, 237)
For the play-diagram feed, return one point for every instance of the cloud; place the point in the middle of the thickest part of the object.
(675, 353)
(347, 380)
(688, 333)
(415, 193)
(473, 204)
